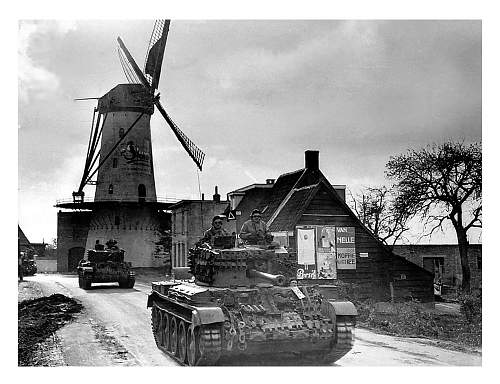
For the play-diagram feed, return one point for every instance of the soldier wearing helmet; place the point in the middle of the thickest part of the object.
(214, 231)
(254, 231)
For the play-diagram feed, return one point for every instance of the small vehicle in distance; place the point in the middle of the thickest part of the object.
(105, 265)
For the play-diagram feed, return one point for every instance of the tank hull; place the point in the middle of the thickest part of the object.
(202, 325)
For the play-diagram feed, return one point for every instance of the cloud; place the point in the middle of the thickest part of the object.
(350, 47)
(35, 81)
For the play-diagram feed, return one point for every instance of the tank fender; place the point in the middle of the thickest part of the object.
(207, 315)
(342, 308)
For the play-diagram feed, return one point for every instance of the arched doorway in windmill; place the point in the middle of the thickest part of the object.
(142, 193)
(75, 254)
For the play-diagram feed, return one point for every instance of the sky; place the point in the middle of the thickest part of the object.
(253, 95)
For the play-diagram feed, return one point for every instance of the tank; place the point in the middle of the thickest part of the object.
(105, 265)
(234, 306)
(29, 267)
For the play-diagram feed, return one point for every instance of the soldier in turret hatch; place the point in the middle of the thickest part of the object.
(254, 231)
(111, 245)
(98, 246)
(215, 230)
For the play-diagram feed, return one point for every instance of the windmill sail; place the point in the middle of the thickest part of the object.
(156, 49)
(193, 151)
(154, 58)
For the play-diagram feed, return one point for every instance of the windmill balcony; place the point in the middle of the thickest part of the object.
(84, 200)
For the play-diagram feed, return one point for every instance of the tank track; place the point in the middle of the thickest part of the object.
(210, 345)
(344, 340)
(207, 340)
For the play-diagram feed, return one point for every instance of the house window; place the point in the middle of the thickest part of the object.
(174, 216)
(110, 189)
(115, 162)
(117, 220)
(183, 253)
(479, 263)
(174, 253)
(121, 132)
(183, 222)
(141, 190)
(435, 265)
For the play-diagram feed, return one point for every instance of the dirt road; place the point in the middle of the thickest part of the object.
(114, 329)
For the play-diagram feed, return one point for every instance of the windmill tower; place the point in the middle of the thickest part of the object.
(125, 206)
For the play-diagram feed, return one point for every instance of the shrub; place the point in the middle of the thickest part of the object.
(471, 305)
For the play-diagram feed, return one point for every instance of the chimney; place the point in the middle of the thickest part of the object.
(216, 195)
(270, 181)
(312, 160)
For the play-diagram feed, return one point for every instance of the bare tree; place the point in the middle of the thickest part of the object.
(439, 183)
(374, 206)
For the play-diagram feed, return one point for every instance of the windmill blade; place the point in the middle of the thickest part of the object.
(156, 55)
(127, 68)
(193, 151)
(156, 49)
(134, 65)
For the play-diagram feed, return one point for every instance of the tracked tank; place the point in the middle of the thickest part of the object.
(105, 265)
(235, 306)
(29, 267)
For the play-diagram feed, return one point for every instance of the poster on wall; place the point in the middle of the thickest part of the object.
(346, 247)
(327, 238)
(306, 252)
(326, 253)
(327, 266)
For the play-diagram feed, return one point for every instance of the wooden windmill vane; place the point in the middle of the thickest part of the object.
(148, 79)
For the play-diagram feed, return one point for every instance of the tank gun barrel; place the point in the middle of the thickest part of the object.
(278, 280)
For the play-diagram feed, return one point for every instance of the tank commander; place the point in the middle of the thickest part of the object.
(254, 231)
(98, 246)
(111, 244)
(215, 230)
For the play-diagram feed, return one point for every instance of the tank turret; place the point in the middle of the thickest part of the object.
(233, 267)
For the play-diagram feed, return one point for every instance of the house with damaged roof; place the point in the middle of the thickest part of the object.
(325, 240)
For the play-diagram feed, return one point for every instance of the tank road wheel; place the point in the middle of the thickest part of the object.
(173, 336)
(165, 330)
(156, 324)
(193, 342)
(182, 341)
(86, 282)
(130, 282)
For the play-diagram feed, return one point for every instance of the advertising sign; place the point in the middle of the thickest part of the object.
(346, 247)
(306, 252)
(325, 253)
(327, 268)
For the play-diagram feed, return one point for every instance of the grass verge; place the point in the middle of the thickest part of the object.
(39, 319)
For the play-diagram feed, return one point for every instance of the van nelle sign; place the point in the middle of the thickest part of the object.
(346, 247)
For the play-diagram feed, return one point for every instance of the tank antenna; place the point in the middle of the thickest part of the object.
(201, 198)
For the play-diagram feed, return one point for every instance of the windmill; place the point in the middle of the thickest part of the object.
(119, 154)
(149, 79)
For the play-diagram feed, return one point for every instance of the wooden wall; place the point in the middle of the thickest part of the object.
(374, 274)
